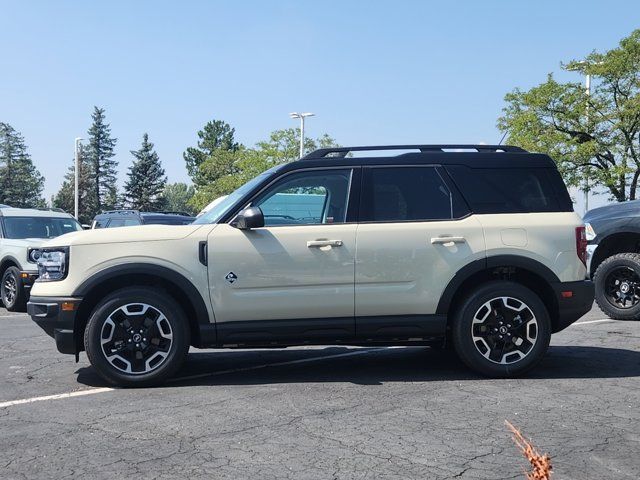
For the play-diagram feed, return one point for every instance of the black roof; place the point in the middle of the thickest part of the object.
(474, 156)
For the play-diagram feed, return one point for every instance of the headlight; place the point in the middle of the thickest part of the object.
(591, 233)
(33, 254)
(52, 264)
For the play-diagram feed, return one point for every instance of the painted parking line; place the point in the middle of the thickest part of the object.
(93, 391)
(587, 322)
(78, 393)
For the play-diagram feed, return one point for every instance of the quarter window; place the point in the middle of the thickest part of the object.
(307, 198)
(397, 194)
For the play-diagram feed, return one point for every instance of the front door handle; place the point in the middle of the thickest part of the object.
(324, 243)
(447, 239)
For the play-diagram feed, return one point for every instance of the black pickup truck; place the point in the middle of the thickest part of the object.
(613, 258)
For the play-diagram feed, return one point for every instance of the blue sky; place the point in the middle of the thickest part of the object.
(374, 72)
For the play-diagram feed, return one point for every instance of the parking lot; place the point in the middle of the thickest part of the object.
(323, 412)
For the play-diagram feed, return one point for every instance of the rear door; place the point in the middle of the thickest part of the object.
(415, 233)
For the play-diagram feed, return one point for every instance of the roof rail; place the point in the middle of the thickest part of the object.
(122, 210)
(340, 152)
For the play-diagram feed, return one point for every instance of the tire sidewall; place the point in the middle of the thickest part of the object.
(461, 330)
(630, 260)
(19, 299)
(175, 317)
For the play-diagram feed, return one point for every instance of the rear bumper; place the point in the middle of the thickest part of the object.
(57, 322)
(573, 305)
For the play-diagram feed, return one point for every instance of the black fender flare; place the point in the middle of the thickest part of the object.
(477, 266)
(183, 283)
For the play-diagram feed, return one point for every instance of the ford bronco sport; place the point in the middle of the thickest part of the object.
(475, 246)
(22, 231)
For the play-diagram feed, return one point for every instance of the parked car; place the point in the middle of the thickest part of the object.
(479, 247)
(22, 231)
(130, 218)
(613, 256)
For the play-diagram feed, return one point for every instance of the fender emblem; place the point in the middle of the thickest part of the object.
(231, 277)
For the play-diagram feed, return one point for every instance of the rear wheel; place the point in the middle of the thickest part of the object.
(617, 283)
(137, 337)
(502, 329)
(12, 291)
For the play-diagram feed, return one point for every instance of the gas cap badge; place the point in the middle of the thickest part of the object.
(231, 277)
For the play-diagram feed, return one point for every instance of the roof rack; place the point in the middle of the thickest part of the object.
(122, 210)
(340, 152)
(170, 212)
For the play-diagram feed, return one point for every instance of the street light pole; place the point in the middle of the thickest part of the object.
(301, 116)
(76, 195)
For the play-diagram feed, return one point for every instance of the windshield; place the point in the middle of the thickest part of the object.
(38, 227)
(218, 211)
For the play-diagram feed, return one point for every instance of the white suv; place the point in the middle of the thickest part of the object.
(477, 247)
(22, 231)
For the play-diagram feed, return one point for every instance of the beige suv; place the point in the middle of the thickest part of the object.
(476, 247)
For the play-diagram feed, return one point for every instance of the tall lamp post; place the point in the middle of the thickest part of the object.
(76, 195)
(301, 116)
(587, 91)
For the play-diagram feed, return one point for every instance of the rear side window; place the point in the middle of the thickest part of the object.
(511, 190)
(398, 194)
(121, 222)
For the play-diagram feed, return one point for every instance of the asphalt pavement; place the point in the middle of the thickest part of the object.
(323, 413)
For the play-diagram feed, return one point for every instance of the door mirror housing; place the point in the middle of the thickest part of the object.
(249, 218)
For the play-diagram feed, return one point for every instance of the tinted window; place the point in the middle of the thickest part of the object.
(405, 194)
(121, 222)
(307, 198)
(511, 190)
(39, 227)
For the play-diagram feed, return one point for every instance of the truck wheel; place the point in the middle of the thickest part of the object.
(617, 283)
(12, 291)
(502, 329)
(137, 337)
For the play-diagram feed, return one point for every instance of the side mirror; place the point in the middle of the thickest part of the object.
(86, 227)
(249, 218)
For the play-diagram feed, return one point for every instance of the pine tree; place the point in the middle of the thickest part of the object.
(216, 135)
(20, 182)
(65, 198)
(99, 153)
(145, 186)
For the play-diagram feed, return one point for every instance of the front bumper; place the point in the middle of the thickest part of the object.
(591, 249)
(55, 316)
(574, 300)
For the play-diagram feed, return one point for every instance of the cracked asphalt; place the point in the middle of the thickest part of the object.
(292, 413)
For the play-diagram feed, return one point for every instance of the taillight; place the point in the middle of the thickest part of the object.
(581, 244)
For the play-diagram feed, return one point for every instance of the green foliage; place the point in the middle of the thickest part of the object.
(216, 135)
(145, 186)
(594, 136)
(177, 197)
(225, 170)
(99, 154)
(86, 201)
(20, 182)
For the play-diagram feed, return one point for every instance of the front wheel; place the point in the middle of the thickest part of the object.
(12, 291)
(137, 337)
(617, 283)
(502, 329)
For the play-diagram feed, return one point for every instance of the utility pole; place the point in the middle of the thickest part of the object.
(301, 116)
(76, 195)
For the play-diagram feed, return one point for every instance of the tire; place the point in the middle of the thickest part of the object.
(617, 284)
(147, 330)
(12, 291)
(476, 329)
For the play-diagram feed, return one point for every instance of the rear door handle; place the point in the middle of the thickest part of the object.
(444, 239)
(324, 243)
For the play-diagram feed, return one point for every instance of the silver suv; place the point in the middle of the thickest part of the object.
(477, 247)
(22, 231)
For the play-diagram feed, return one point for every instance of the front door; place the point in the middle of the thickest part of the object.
(293, 279)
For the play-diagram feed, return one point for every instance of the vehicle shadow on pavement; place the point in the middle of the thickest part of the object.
(375, 366)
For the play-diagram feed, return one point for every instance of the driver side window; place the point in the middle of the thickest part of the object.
(306, 198)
